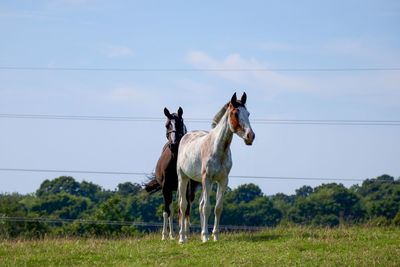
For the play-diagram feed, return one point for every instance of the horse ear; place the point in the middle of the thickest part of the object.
(180, 112)
(167, 114)
(234, 101)
(244, 98)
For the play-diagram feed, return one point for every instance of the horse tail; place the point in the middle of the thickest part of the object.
(152, 186)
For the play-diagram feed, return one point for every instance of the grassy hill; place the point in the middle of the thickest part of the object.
(345, 246)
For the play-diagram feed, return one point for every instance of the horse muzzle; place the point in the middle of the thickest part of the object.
(249, 137)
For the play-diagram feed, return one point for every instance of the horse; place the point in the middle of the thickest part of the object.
(206, 157)
(165, 177)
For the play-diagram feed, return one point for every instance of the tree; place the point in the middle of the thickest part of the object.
(65, 184)
(246, 205)
(380, 196)
(91, 190)
(327, 205)
(128, 188)
(12, 206)
(63, 205)
(258, 212)
(244, 193)
(304, 191)
(283, 203)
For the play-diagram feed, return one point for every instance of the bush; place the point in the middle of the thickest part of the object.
(396, 219)
(379, 221)
(326, 220)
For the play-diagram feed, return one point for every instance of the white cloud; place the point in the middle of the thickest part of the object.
(253, 73)
(366, 87)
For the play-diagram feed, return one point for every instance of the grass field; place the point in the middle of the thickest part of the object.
(348, 246)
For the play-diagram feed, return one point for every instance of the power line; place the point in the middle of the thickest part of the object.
(147, 174)
(200, 120)
(330, 122)
(294, 178)
(120, 223)
(74, 171)
(105, 69)
(83, 221)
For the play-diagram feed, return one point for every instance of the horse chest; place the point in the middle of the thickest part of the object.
(217, 165)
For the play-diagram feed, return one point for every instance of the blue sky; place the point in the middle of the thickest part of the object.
(199, 35)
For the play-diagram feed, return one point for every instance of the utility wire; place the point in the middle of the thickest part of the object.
(294, 178)
(74, 171)
(148, 174)
(348, 69)
(199, 120)
(122, 223)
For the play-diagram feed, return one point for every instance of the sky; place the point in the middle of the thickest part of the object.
(164, 54)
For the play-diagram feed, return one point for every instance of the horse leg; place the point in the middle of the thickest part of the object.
(187, 214)
(164, 230)
(205, 209)
(218, 207)
(201, 207)
(191, 194)
(167, 212)
(171, 221)
(182, 185)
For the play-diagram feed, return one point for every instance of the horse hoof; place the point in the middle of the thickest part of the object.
(216, 238)
(182, 241)
(171, 237)
(204, 239)
(163, 237)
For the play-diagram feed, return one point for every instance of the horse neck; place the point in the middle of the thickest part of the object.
(222, 136)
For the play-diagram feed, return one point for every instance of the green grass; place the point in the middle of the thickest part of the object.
(347, 246)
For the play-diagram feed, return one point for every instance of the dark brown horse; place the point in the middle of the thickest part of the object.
(165, 177)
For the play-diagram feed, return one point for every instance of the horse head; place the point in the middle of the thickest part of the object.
(176, 129)
(239, 119)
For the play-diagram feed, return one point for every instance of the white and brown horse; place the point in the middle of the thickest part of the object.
(206, 157)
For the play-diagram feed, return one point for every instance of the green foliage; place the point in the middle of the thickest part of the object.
(329, 220)
(126, 189)
(304, 191)
(62, 205)
(327, 205)
(244, 193)
(396, 219)
(378, 221)
(247, 205)
(283, 203)
(65, 184)
(376, 203)
(92, 191)
(12, 205)
(381, 196)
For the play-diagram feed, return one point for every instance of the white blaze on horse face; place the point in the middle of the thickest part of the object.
(173, 132)
(245, 131)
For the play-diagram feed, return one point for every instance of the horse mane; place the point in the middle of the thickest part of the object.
(219, 115)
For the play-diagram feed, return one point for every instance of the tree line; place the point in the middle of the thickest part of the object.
(375, 202)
